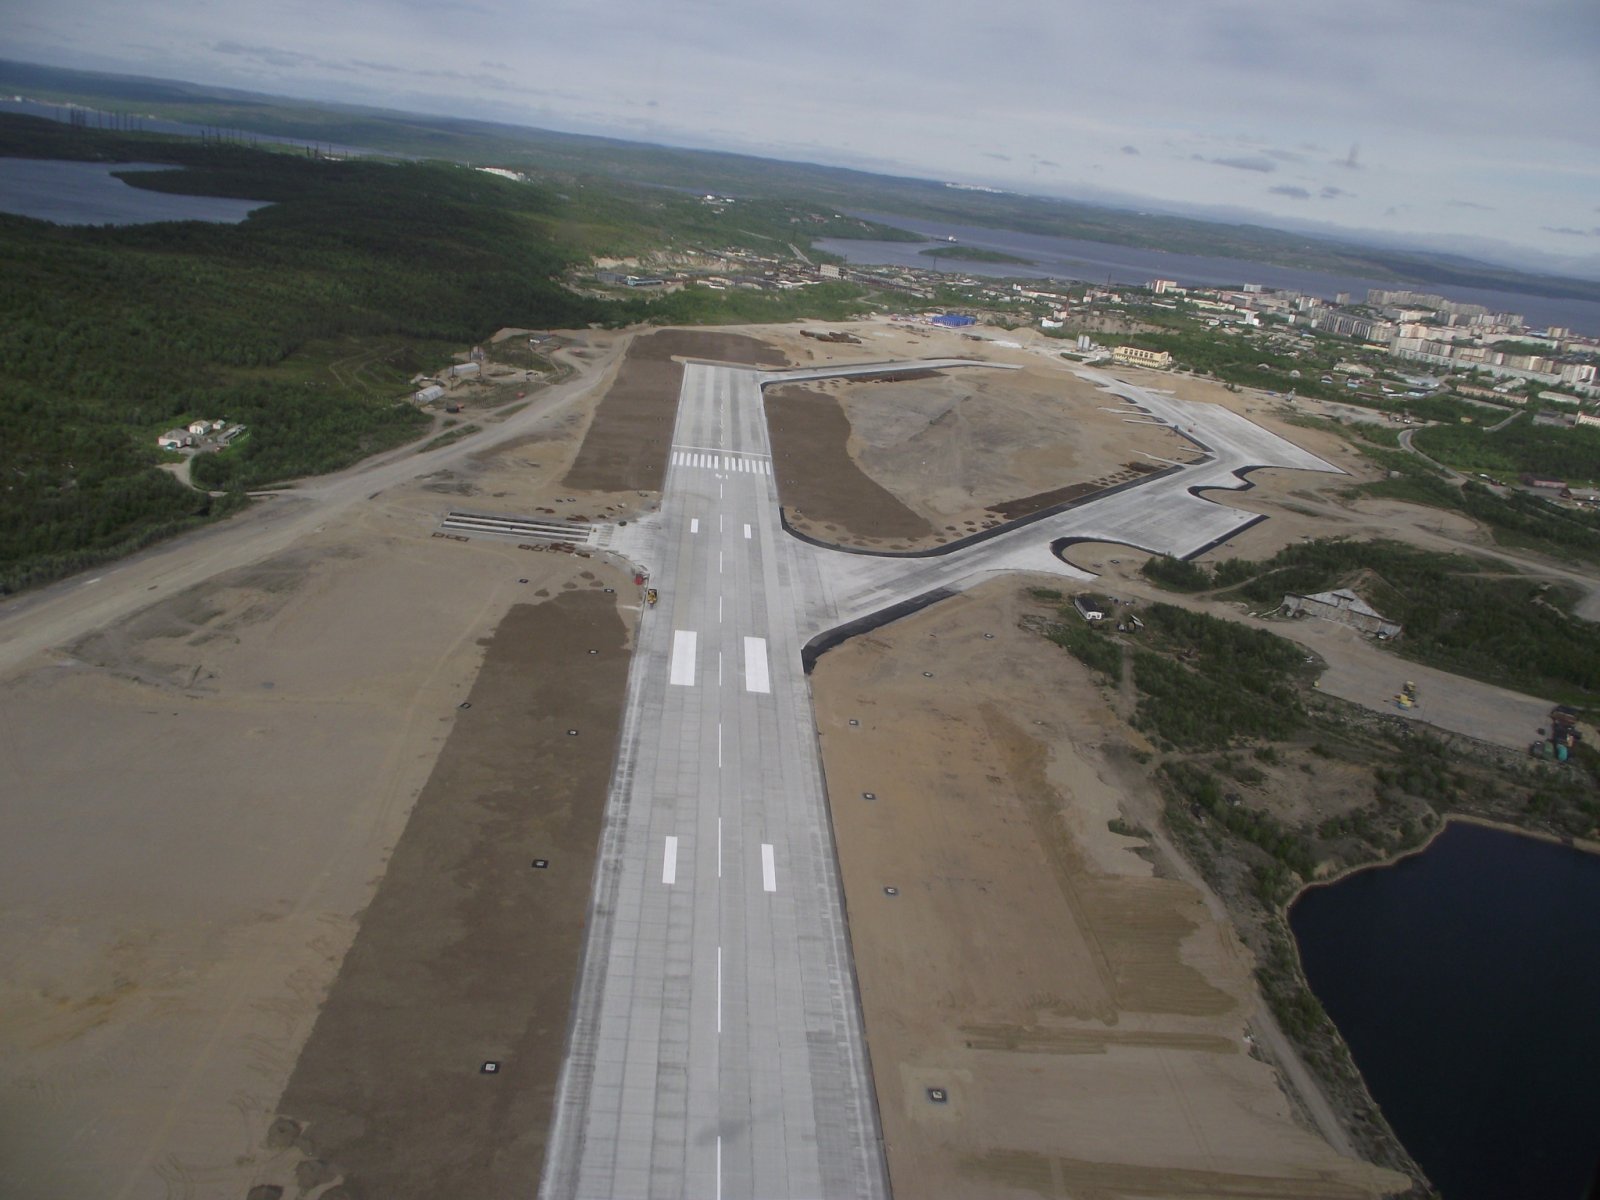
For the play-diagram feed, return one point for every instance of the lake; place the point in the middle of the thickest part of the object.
(87, 193)
(1466, 981)
(1095, 262)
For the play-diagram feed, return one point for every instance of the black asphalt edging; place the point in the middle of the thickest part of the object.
(983, 535)
(827, 640)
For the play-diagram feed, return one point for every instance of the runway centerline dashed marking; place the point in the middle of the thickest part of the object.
(694, 524)
(669, 862)
(747, 532)
(769, 869)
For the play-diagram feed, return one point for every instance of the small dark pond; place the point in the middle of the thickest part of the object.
(1466, 981)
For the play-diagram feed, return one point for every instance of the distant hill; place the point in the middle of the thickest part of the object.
(564, 158)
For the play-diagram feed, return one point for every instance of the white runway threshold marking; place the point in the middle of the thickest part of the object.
(755, 665)
(683, 645)
(694, 524)
(669, 862)
(769, 869)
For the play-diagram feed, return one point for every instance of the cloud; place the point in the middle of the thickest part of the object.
(1471, 204)
(1568, 231)
(1351, 161)
(1288, 189)
(1242, 163)
(997, 157)
(1333, 193)
(272, 56)
(1130, 149)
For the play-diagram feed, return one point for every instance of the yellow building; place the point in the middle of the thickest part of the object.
(1132, 356)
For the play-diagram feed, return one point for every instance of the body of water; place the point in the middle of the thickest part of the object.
(1466, 981)
(1095, 262)
(87, 193)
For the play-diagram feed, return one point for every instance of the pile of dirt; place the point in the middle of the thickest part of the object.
(627, 443)
(470, 948)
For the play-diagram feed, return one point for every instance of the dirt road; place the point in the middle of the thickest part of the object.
(57, 614)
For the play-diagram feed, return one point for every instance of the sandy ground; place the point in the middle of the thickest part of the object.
(211, 753)
(1085, 1013)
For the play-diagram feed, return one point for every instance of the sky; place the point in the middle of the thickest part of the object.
(1467, 125)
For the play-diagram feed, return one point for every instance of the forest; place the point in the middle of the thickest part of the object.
(111, 334)
(1520, 448)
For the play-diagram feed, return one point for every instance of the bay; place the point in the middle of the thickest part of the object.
(88, 193)
(1098, 262)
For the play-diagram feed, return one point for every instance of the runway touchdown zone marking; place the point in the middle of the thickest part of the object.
(769, 869)
(683, 648)
(756, 678)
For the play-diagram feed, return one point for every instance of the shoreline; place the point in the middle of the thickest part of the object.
(1583, 845)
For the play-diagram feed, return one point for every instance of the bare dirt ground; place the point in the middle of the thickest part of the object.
(918, 462)
(825, 492)
(468, 951)
(203, 788)
(1084, 1011)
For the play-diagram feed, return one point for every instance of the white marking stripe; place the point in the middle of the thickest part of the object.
(722, 462)
(669, 862)
(769, 871)
(694, 524)
(747, 531)
(683, 644)
(755, 665)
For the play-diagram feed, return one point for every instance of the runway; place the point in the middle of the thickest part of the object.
(716, 1047)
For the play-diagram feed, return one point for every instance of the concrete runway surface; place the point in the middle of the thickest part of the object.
(716, 1046)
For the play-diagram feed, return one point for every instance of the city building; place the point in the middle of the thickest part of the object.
(1133, 356)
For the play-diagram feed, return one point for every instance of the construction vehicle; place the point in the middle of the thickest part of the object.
(650, 597)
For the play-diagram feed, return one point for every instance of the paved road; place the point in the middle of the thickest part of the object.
(716, 1047)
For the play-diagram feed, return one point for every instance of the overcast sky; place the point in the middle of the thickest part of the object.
(1475, 119)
